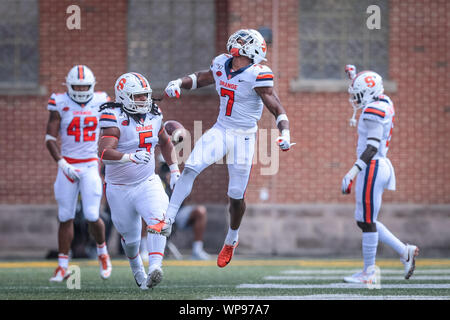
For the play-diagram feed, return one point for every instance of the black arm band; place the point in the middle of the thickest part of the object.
(368, 154)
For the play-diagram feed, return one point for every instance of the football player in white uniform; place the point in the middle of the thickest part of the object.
(131, 129)
(373, 171)
(74, 116)
(243, 86)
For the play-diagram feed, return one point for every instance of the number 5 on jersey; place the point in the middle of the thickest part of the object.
(142, 143)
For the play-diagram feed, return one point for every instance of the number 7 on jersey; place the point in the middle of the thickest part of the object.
(230, 94)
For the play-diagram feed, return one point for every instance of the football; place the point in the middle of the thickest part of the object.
(175, 130)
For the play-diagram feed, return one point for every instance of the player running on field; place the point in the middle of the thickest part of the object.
(373, 171)
(74, 116)
(131, 129)
(243, 86)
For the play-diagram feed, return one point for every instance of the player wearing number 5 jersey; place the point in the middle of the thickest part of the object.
(243, 86)
(74, 117)
(131, 130)
(373, 171)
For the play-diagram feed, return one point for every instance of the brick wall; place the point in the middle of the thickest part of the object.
(311, 172)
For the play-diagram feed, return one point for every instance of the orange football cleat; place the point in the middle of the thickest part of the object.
(225, 255)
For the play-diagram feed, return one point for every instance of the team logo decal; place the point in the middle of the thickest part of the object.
(218, 73)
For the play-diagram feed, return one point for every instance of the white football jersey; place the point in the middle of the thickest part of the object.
(79, 124)
(240, 106)
(134, 137)
(381, 111)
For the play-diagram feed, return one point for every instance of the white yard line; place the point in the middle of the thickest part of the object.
(350, 271)
(339, 277)
(340, 286)
(330, 297)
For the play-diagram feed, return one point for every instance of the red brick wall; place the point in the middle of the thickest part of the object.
(313, 169)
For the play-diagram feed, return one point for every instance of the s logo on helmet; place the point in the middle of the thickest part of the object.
(121, 84)
(370, 82)
(264, 46)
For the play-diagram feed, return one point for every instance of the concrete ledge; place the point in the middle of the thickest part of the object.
(306, 230)
(296, 230)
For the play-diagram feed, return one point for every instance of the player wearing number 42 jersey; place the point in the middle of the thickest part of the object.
(244, 86)
(373, 171)
(74, 117)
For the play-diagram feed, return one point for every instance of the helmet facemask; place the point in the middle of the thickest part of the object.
(133, 106)
(80, 75)
(248, 43)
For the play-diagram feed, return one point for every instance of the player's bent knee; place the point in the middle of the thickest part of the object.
(92, 216)
(366, 226)
(236, 193)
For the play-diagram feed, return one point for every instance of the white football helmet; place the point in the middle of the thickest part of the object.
(365, 88)
(254, 45)
(80, 75)
(127, 86)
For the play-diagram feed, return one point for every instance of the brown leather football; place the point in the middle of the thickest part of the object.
(175, 130)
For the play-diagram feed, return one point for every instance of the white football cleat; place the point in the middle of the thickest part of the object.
(155, 276)
(60, 275)
(200, 255)
(409, 260)
(105, 266)
(362, 277)
(141, 279)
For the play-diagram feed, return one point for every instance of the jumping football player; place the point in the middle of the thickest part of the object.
(74, 116)
(373, 171)
(244, 86)
(131, 129)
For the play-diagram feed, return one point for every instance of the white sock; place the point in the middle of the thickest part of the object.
(197, 246)
(63, 260)
(369, 248)
(132, 253)
(182, 189)
(232, 237)
(143, 246)
(388, 238)
(156, 244)
(102, 249)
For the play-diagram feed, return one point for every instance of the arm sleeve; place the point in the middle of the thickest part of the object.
(51, 104)
(264, 78)
(108, 119)
(374, 132)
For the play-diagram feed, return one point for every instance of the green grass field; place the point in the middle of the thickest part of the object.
(268, 279)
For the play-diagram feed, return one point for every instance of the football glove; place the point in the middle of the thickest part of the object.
(173, 89)
(284, 141)
(140, 157)
(70, 171)
(347, 182)
(174, 174)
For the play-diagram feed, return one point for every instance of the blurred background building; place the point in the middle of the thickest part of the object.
(300, 210)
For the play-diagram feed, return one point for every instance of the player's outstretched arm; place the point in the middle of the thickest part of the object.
(169, 155)
(191, 82)
(53, 125)
(109, 139)
(273, 104)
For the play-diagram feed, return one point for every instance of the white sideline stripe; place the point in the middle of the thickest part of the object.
(337, 277)
(330, 297)
(349, 271)
(340, 286)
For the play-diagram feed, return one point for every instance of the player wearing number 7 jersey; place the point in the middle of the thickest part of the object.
(373, 171)
(74, 117)
(243, 86)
